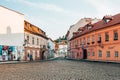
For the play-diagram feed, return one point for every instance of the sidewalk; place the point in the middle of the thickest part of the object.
(86, 60)
(15, 62)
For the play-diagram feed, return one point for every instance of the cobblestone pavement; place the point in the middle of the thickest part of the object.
(60, 70)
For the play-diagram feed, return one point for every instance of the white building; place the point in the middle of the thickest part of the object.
(36, 42)
(11, 33)
(18, 38)
(62, 48)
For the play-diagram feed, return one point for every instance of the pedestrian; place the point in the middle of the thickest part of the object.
(31, 57)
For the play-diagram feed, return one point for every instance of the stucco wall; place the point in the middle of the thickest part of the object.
(42, 41)
(11, 27)
(111, 45)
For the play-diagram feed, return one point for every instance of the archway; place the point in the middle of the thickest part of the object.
(42, 55)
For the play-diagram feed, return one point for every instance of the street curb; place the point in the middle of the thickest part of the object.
(98, 61)
(20, 62)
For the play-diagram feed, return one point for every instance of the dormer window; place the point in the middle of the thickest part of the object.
(75, 33)
(80, 29)
(107, 18)
(89, 27)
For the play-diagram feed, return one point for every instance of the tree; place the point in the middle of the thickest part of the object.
(60, 39)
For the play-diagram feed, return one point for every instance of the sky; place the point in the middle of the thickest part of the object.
(56, 16)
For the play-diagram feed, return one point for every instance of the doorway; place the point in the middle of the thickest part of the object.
(84, 54)
(42, 55)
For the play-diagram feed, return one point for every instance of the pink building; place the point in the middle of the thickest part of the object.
(98, 41)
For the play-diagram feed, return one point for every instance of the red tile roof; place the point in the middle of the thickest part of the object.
(99, 25)
(34, 30)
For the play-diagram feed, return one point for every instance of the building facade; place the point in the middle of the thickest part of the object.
(35, 42)
(51, 48)
(19, 38)
(62, 48)
(11, 34)
(98, 41)
(74, 28)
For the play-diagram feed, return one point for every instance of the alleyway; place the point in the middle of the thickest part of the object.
(60, 70)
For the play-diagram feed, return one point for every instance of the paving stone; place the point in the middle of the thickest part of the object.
(60, 70)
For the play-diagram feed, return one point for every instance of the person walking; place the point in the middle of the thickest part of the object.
(31, 57)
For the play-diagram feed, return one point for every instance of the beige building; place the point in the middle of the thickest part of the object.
(35, 42)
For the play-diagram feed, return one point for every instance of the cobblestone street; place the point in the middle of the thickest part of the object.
(60, 70)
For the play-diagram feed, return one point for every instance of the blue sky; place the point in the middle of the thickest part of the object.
(56, 16)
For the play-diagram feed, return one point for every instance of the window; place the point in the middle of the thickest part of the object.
(44, 46)
(93, 53)
(93, 39)
(106, 21)
(84, 41)
(80, 41)
(106, 36)
(33, 40)
(89, 27)
(108, 53)
(27, 38)
(99, 38)
(88, 53)
(80, 53)
(115, 35)
(99, 53)
(74, 43)
(77, 54)
(77, 42)
(88, 40)
(116, 54)
(37, 41)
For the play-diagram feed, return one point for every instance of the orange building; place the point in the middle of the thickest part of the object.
(98, 41)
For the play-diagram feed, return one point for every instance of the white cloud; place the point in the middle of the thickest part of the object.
(45, 6)
(52, 8)
(52, 27)
(105, 7)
